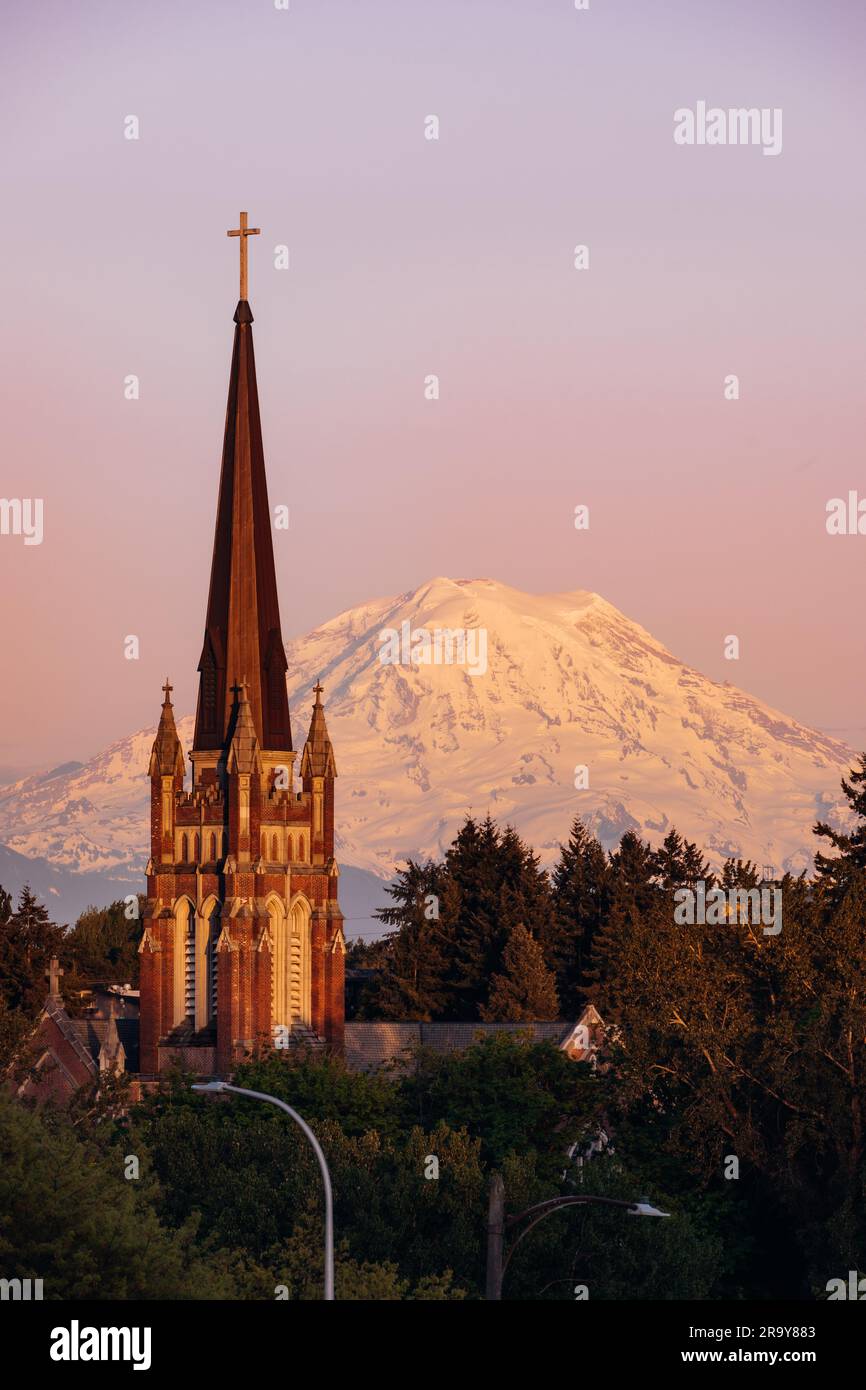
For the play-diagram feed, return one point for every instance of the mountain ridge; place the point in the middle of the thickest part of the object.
(570, 682)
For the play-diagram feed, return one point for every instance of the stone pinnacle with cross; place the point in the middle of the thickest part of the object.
(243, 231)
(52, 975)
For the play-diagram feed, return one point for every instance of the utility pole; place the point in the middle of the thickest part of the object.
(495, 1237)
(498, 1223)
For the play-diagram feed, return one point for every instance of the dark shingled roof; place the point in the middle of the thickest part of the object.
(371, 1045)
(71, 1032)
(90, 1034)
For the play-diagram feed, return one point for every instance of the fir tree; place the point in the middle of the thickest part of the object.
(28, 940)
(525, 991)
(411, 964)
(453, 922)
(580, 887)
(679, 862)
(632, 897)
(739, 873)
(840, 870)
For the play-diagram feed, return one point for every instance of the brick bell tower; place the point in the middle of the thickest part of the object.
(243, 945)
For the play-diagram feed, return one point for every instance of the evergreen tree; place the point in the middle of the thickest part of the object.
(632, 897)
(475, 926)
(739, 873)
(103, 945)
(453, 921)
(28, 940)
(525, 991)
(841, 869)
(679, 862)
(499, 883)
(411, 965)
(580, 889)
(632, 870)
(669, 860)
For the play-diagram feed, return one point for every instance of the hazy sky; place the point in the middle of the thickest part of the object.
(411, 256)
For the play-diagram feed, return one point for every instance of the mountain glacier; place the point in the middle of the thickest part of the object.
(569, 683)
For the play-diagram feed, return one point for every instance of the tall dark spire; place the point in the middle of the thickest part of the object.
(242, 629)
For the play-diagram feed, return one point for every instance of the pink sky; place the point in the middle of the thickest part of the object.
(411, 257)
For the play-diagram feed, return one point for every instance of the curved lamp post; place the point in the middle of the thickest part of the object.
(218, 1086)
(498, 1223)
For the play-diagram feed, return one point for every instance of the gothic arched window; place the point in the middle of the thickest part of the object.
(184, 849)
(291, 972)
(184, 961)
(213, 847)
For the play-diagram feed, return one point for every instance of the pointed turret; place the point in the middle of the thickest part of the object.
(166, 783)
(242, 628)
(166, 758)
(317, 759)
(112, 1053)
(318, 770)
(244, 754)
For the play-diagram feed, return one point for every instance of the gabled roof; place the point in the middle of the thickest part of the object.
(95, 1034)
(56, 1012)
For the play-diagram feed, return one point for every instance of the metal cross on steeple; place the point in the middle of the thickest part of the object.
(243, 231)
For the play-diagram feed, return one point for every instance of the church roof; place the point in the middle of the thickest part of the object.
(106, 1035)
(242, 628)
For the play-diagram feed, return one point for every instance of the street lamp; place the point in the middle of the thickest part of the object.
(497, 1223)
(643, 1207)
(213, 1087)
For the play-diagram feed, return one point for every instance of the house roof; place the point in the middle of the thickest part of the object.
(371, 1045)
(55, 1011)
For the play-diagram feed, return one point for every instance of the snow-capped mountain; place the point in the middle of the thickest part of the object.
(549, 684)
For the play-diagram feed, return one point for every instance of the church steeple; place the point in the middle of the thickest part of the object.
(242, 628)
(242, 946)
